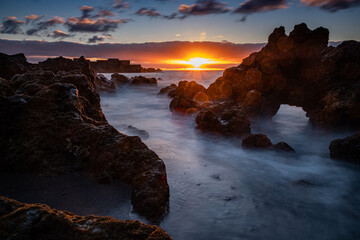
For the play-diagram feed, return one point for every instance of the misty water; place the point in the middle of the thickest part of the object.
(219, 190)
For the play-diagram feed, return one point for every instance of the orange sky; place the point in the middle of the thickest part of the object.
(167, 55)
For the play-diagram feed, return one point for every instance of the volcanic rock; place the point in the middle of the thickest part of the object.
(231, 122)
(258, 140)
(298, 69)
(188, 97)
(39, 221)
(53, 123)
(170, 90)
(141, 80)
(138, 132)
(347, 149)
(283, 146)
(119, 78)
(13, 64)
(103, 84)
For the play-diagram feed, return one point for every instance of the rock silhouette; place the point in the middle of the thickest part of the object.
(52, 123)
(39, 221)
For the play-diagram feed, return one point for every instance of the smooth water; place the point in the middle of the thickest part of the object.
(221, 191)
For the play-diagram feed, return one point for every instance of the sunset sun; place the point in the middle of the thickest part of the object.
(197, 61)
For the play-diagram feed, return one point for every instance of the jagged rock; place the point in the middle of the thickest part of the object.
(188, 97)
(53, 123)
(347, 149)
(13, 64)
(298, 69)
(137, 132)
(170, 90)
(119, 78)
(232, 122)
(103, 84)
(141, 80)
(39, 221)
(258, 140)
(189, 89)
(182, 104)
(67, 65)
(283, 146)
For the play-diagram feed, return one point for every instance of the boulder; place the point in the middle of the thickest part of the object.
(258, 140)
(141, 80)
(188, 97)
(119, 78)
(231, 122)
(39, 221)
(53, 123)
(346, 149)
(170, 90)
(284, 147)
(103, 84)
(137, 132)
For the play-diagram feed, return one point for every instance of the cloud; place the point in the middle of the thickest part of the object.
(95, 39)
(11, 25)
(253, 6)
(75, 24)
(86, 10)
(59, 34)
(332, 5)
(119, 4)
(44, 25)
(171, 16)
(204, 7)
(148, 12)
(33, 17)
(104, 13)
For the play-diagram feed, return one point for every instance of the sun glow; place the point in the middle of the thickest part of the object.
(196, 63)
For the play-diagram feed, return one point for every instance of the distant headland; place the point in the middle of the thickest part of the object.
(112, 65)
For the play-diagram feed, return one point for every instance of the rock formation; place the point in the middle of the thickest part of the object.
(39, 221)
(258, 140)
(347, 149)
(103, 84)
(141, 80)
(52, 122)
(298, 69)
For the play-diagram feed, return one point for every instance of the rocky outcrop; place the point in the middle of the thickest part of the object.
(258, 140)
(170, 90)
(230, 122)
(141, 80)
(39, 221)
(188, 97)
(103, 84)
(119, 78)
(283, 147)
(137, 132)
(261, 141)
(13, 64)
(346, 149)
(297, 69)
(52, 122)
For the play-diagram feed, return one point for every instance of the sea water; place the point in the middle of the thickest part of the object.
(219, 190)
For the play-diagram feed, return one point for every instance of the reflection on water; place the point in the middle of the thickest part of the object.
(221, 191)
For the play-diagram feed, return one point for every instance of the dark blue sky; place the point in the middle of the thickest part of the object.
(131, 21)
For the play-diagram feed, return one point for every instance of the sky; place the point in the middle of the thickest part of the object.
(147, 27)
